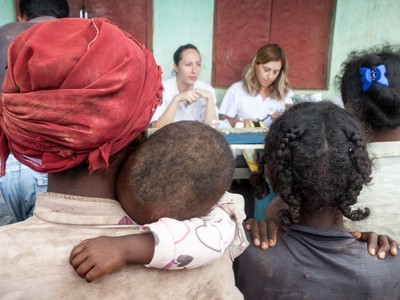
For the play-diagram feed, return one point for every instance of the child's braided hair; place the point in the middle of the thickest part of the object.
(315, 155)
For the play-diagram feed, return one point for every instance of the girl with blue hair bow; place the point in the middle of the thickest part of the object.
(370, 87)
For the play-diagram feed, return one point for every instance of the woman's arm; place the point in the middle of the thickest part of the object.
(210, 113)
(168, 243)
(229, 106)
(234, 121)
(168, 116)
(231, 121)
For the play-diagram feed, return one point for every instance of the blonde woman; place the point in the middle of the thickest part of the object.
(264, 91)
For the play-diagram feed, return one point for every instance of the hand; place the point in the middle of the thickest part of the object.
(263, 233)
(378, 244)
(247, 121)
(276, 115)
(91, 258)
(204, 94)
(190, 96)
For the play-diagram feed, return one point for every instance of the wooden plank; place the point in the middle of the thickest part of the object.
(303, 29)
(241, 138)
(240, 28)
(247, 136)
(134, 17)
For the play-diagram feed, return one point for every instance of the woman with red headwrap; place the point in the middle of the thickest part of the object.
(21, 185)
(78, 94)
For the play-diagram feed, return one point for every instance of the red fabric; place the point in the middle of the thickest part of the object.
(72, 93)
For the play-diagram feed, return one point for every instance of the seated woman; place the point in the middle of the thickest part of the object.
(262, 95)
(186, 97)
(370, 87)
(264, 91)
(316, 159)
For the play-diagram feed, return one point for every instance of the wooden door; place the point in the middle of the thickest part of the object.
(301, 27)
(238, 33)
(133, 16)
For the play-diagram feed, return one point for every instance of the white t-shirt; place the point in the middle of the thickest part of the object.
(190, 112)
(239, 104)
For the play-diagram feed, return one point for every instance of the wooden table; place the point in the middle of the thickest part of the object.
(244, 138)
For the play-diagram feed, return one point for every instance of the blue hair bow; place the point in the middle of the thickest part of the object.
(369, 76)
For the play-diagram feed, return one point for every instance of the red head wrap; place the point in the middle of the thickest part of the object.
(75, 90)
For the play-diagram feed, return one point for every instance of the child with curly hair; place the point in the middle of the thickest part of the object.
(316, 159)
(370, 88)
(167, 184)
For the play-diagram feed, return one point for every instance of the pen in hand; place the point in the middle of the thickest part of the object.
(262, 120)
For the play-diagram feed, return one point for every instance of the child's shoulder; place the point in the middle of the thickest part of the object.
(231, 198)
(233, 204)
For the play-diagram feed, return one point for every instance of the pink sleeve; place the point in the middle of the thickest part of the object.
(200, 241)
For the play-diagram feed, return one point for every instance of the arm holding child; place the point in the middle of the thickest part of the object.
(264, 233)
(191, 219)
(171, 245)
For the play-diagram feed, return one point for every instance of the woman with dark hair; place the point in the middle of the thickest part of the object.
(370, 88)
(30, 9)
(316, 160)
(185, 97)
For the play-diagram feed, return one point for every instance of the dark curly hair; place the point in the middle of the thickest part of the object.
(178, 52)
(183, 169)
(379, 106)
(38, 8)
(315, 155)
